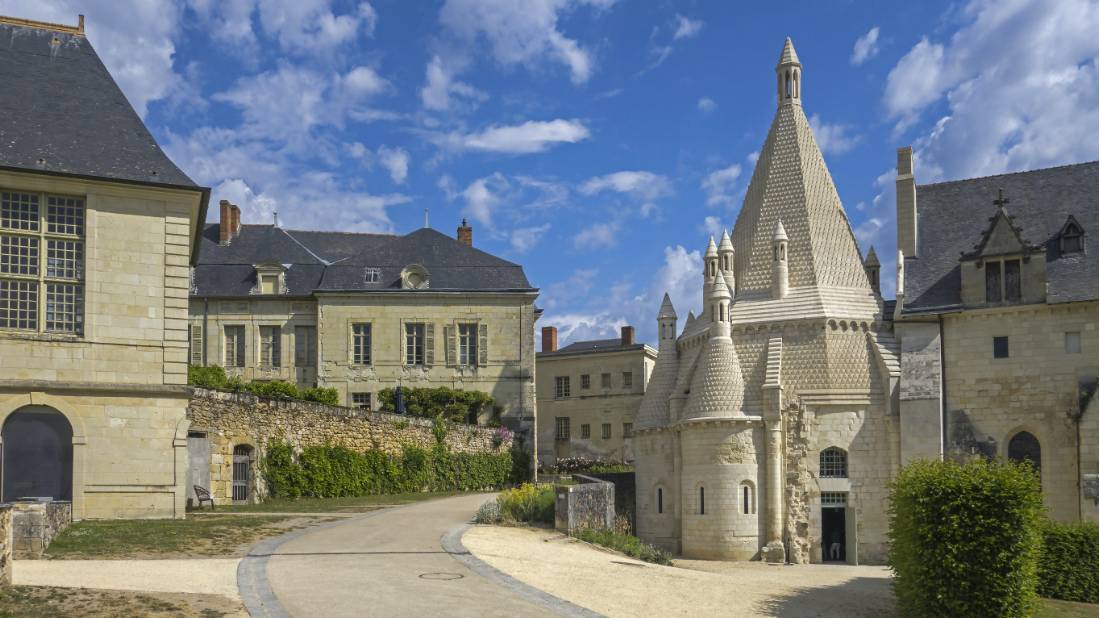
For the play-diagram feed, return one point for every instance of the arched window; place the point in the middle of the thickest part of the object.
(38, 454)
(1025, 447)
(242, 472)
(1073, 237)
(660, 500)
(788, 87)
(834, 463)
(748, 498)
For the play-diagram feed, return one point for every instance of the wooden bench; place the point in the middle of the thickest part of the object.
(203, 495)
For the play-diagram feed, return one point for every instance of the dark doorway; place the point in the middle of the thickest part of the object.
(37, 455)
(242, 472)
(833, 539)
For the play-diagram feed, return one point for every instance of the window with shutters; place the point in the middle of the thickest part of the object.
(360, 344)
(270, 347)
(234, 346)
(1012, 281)
(196, 344)
(1003, 281)
(605, 380)
(561, 428)
(586, 431)
(467, 345)
(993, 282)
(305, 346)
(416, 344)
(361, 401)
(561, 386)
(607, 431)
(41, 262)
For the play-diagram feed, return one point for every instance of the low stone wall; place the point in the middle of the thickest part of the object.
(589, 504)
(229, 420)
(36, 524)
(624, 492)
(5, 544)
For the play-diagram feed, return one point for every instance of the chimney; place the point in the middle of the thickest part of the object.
(466, 234)
(549, 338)
(627, 335)
(235, 220)
(224, 223)
(907, 203)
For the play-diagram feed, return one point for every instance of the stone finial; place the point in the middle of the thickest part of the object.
(726, 246)
(667, 310)
(712, 249)
(788, 55)
(780, 233)
(872, 257)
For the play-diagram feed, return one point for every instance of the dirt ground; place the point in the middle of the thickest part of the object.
(615, 585)
(43, 601)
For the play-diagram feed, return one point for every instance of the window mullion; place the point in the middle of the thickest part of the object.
(42, 262)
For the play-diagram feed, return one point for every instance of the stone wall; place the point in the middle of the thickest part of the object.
(5, 544)
(228, 420)
(590, 504)
(36, 524)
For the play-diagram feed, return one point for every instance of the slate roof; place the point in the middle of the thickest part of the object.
(596, 346)
(60, 104)
(336, 262)
(953, 216)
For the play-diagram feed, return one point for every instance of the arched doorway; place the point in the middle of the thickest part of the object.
(242, 473)
(37, 455)
(1024, 446)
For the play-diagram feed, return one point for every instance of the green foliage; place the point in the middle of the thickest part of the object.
(457, 406)
(488, 513)
(528, 503)
(207, 377)
(964, 538)
(336, 471)
(1067, 563)
(582, 465)
(275, 389)
(214, 377)
(630, 545)
(328, 396)
(439, 429)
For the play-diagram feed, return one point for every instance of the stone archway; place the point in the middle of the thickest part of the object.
(37, 456)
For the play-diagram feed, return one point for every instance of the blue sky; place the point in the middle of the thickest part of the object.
(599, 142)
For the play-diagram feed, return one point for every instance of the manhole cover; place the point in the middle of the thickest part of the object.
(441, 576)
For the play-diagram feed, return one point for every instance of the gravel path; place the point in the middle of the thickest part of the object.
(614, 585)
(204, 576)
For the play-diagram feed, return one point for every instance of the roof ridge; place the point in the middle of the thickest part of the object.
(1017, 173)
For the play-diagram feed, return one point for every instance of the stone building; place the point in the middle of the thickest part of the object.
(97, 230)
(997, 318)
(775, 420)
(588, 395)
(362, 312)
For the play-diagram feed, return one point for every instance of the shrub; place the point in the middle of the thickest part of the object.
(206, 377)
(214, 377)
(275, 389)
(1067, 562)
(964, 538)
(581, 465)
(327, 396)
(630, 545)
(528, 503)
(456, 405)
(488, 513)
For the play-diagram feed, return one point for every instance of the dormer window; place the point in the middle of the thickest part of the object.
(414, 277)
(1002, 281)
(269, 284)
(1072, 238)
(372, 275)
(270, 279)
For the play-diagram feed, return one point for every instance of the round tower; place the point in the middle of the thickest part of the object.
(725, 261)
(779, 261)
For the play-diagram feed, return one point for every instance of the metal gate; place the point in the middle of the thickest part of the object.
(242, 472)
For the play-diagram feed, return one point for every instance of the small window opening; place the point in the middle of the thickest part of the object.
(702, 501)
(660, 500)
(1000, 347)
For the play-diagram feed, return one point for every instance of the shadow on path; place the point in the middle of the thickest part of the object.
(860, 596)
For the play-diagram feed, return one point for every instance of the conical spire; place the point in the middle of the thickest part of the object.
(712, 249)
(872, 257)
(719, 290)
(667, 310)
(788, 55)
(780, 233)
(726, 244)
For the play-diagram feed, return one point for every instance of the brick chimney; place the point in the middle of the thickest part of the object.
(229, 225)
(549, 338)
(627, 335)
(466, 236)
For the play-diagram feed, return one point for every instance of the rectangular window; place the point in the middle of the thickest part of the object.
(561, 386)
(607, 431)
(196, 344)
(361, 401)
(414, 344)
(1012, 280)
(561, 428)
(305, 346)
(628, 430)
(605, 380)
(270, 347)
(372, 275)
(586, 431)
(1073, 343)
(234, 346)
(360, 344)
(269, 284)
(41, 262)
(586, 381)
(1000, 347)
(628, 379)
(467, 345)
(992, 282)
(834, 498)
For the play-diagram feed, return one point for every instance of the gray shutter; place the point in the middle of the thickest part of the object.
(196, 344)
(404, 339)
(482, 345)
(429, 344)
(449, 342)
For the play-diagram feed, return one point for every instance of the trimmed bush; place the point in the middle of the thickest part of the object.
(214, 377)
(1067, 563)
(327, 396)
(582, 465)
(528, 503)
(207, 377)
(457, 406)
(964, 538)
(630, 545)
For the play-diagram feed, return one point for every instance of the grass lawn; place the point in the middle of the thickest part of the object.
(1050, 608)
(83, 603)
(215, 535)
(331, 505)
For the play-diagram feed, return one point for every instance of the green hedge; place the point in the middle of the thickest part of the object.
(336, 471)
(1067, 563)
(214, 377)
(964, 538)
(456, 405)
(628, 544)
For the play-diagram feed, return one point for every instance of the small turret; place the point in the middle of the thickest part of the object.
(779, 261)
(872, 266)
(725, 261)
(718, 303)
(666, 325)
(710, 271)
(788, 76)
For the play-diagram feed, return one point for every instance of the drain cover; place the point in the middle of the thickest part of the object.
(441, 576)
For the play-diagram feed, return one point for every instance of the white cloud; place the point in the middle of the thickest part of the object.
(712, 226)
(482, 196)
(396, 162)
(720, 186)
(529, 137)
(706, 105)
(753, 157)
(832, 138)
(686, 28)
(640, 184)
(441, 90)
(525, 238)
(597, 235)
(310, 26)
(866, 47)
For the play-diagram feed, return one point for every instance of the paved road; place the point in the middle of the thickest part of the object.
(388, 563)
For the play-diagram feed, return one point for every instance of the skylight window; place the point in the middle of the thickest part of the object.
(372, 275)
